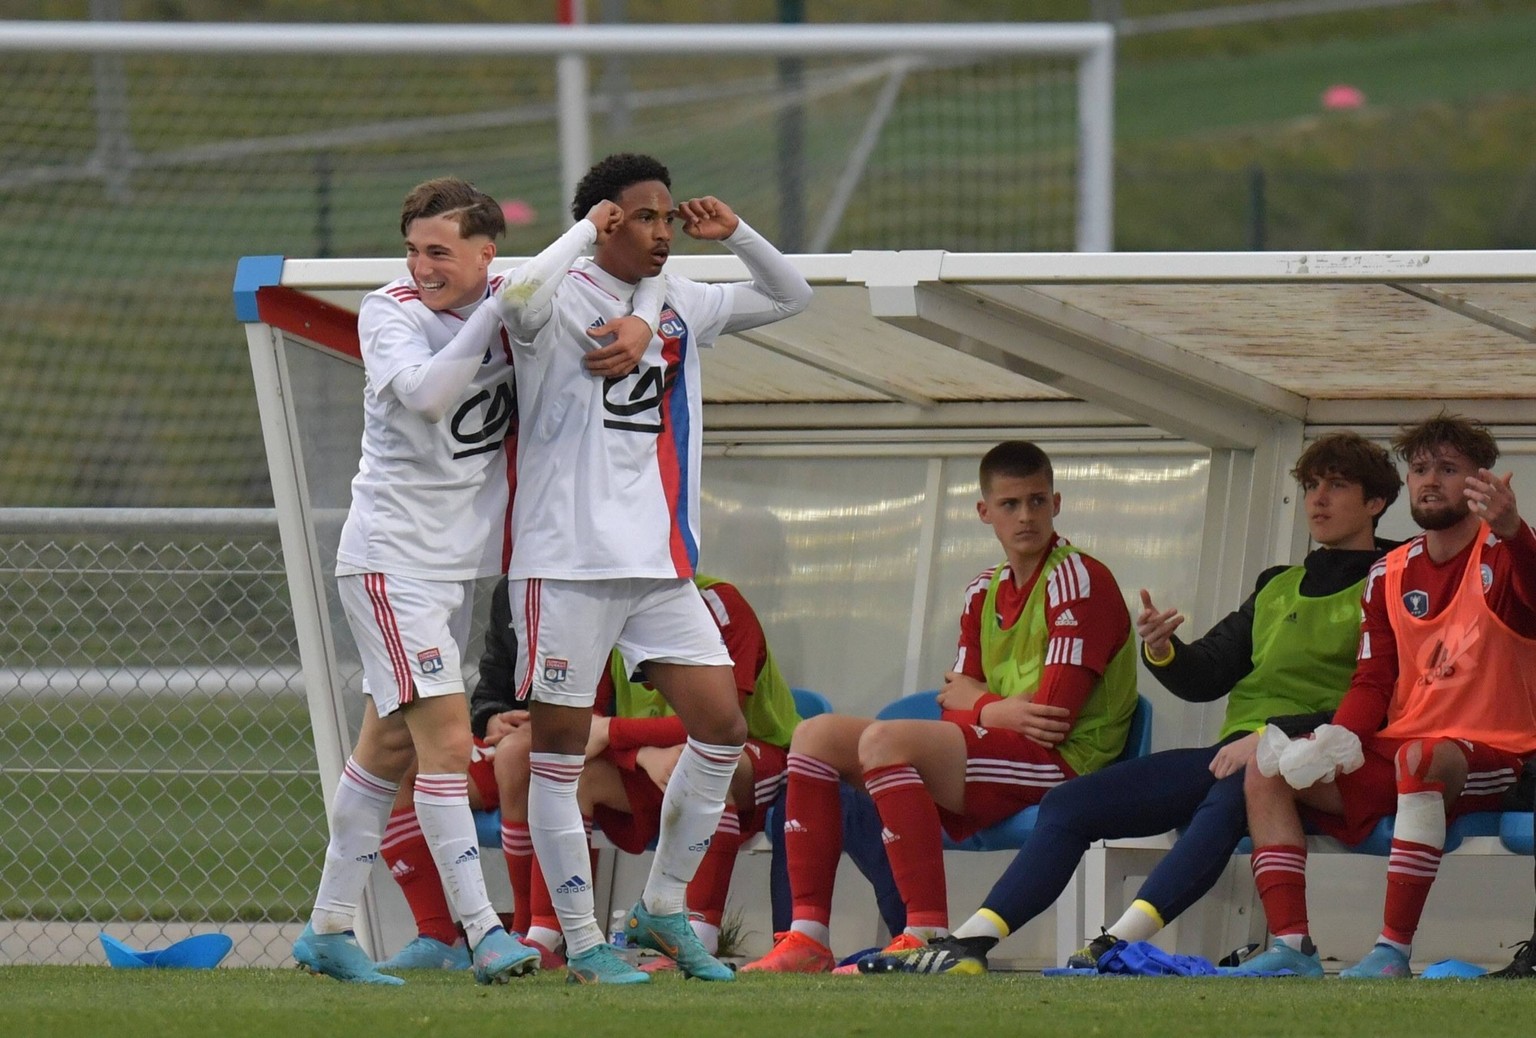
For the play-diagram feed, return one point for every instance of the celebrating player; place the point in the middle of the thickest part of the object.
(437, 405)
(606, 534)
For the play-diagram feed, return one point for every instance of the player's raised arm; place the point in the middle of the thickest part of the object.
(527, 295)
(777, 290)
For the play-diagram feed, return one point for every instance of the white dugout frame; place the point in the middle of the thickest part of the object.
(912, 352)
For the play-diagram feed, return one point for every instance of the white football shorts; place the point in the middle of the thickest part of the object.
(566, 630)
(410, 633)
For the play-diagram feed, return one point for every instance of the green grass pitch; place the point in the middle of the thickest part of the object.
(44, 1001)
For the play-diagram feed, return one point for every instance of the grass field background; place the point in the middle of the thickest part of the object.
(138, 391)
(43, 1002)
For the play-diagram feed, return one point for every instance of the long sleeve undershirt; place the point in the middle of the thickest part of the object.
(430, 388)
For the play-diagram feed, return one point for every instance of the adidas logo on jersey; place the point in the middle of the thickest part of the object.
(1066, 619)
(473, 854)
(574, 885)
(792, 825)
(887, 837)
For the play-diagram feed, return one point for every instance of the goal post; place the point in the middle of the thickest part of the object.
(1003, 130)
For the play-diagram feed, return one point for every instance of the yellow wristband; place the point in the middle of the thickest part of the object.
(1161, 661)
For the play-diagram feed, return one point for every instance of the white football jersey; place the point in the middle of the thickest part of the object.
(608, 469)
(430, 500)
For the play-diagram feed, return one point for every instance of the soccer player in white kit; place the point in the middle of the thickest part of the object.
(429, 514)
(606, 534)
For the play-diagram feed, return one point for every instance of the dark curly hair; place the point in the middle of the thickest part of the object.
(611, 176)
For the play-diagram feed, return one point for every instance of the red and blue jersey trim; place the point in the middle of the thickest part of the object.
(672, 452)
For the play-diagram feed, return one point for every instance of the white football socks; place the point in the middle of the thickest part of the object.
(690, 813)
(359, 813)
(560, 841)
(448, 826)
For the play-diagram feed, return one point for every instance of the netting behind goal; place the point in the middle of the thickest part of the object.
(132, 182)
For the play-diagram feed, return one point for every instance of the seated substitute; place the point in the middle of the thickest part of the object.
(1043, 689)
(1441, 711)
(1288, 649)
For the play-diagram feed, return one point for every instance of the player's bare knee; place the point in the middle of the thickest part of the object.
(1447, 762)
(444, 751)
(1261, 788)
(816, 737)
(883, 744)
(724, 729)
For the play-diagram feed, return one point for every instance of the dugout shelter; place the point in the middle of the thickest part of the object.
(1173, 392)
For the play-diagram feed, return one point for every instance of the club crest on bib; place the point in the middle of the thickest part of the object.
(430, 661)
(1487, 573)
(1416, 602)
(672, 325)
(555, 669)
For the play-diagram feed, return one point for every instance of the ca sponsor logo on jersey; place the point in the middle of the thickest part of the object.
(634, 401)
(429, 660)
(482, 422)
(555, 669)
(1487, 571)
(1416, 602)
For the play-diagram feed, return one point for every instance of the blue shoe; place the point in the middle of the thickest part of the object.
(428, 953)
(600, 964)
(1381, 961)
(338, 956)
(673, 937)
(500, 956)
(1282, 956)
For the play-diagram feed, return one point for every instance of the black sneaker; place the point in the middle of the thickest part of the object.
(1523, 966)
(1088, 956)
(962, 956)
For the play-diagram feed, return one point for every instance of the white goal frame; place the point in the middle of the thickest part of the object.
(1091, 44)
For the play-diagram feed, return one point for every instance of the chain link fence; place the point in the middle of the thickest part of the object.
(157, 776)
